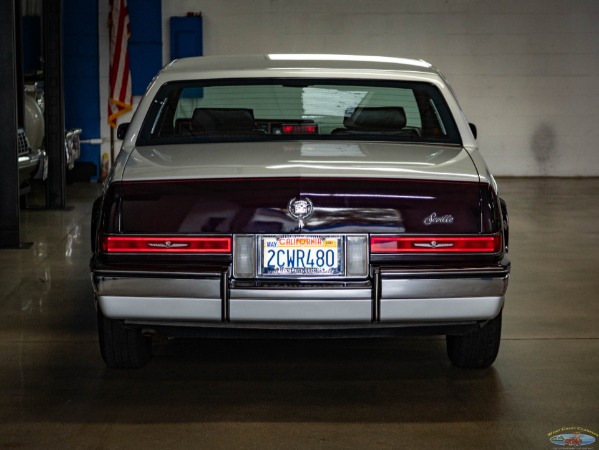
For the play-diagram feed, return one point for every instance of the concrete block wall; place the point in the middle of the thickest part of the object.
(525, 71)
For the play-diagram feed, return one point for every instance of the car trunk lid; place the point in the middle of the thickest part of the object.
(350, 188)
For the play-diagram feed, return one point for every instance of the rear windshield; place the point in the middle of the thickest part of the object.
(279, 109)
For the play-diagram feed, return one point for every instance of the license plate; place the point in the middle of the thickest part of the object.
(301, 255)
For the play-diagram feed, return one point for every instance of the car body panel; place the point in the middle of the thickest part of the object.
(261, 205)
(304, 159)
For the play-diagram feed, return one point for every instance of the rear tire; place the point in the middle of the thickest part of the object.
(476, 350)
(122, 347)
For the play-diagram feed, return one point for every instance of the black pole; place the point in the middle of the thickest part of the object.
(54, 97)
(9, 172)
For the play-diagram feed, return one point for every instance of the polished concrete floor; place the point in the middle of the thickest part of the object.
(55, 391)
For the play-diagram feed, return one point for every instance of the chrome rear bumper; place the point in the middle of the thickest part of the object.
(391, 296)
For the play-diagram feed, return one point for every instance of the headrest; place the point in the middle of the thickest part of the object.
(384, 118)
(223, 119)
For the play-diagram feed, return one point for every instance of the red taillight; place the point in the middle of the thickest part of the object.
(154, 244)
(299, 129)
(435, 244)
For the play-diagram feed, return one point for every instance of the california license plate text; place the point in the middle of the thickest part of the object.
(289, 255)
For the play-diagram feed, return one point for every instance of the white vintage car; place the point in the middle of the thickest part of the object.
(31, 152)
(299, 195)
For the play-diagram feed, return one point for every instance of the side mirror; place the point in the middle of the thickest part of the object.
(121, 130)
(472, 128)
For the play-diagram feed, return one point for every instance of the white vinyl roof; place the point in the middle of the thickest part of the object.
(297, 61)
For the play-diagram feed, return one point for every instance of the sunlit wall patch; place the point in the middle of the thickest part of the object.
(573, 437)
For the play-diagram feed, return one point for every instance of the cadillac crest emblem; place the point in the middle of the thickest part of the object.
(300, 209)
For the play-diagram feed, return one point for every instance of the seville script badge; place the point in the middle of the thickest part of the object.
(300, 209)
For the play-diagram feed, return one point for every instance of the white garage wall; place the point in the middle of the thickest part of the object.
(525, 71)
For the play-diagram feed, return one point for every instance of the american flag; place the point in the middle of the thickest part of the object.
(119, 96)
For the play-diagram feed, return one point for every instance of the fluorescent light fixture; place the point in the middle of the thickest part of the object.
(359, 58)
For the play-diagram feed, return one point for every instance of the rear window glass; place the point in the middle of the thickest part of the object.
(270, 109)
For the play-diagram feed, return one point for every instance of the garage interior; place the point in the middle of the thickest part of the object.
(526, 73)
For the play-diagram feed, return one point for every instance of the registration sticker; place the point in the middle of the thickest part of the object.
(301, 255)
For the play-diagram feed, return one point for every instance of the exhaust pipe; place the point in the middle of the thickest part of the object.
(148, 332)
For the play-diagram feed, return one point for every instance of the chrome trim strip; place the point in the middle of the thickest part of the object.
(158, 287)
(294, 305)
(282, 294)
(426, 288)
(162, 273)
(452, 294)
(465, 272)
(159, 298)
(440, 309)
(160, 308)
